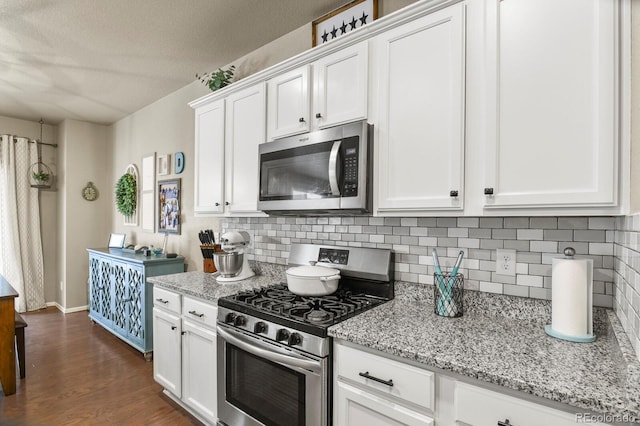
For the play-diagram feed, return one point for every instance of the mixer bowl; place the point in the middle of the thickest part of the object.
(229, 264)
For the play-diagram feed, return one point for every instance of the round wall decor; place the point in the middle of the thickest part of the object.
(90, 192)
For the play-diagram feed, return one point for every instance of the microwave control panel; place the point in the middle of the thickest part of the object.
(350, 176)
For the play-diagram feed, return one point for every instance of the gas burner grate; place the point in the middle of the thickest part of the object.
(316, 310)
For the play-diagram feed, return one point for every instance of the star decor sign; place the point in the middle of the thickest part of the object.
(343, 20)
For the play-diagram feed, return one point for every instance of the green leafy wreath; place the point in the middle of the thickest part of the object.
(126, 194)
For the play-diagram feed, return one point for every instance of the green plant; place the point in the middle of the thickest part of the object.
(217, 79)
(126, 194)
(41, 176)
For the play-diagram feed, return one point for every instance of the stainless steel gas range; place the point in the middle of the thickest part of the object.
(274, 354)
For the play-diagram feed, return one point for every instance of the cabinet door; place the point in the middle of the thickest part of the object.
(288, 103)
(209, 159)
(119, 297)
(356, 407)
(480, 407)
(421, 105)
(167, 351)
(100, 274)
(136, 304)
(199, 369)
(340, 86)
(552, 86)
(245, 127)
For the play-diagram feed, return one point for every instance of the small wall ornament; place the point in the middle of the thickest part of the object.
(90, 192)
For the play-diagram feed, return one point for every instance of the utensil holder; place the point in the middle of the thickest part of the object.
(448, 292)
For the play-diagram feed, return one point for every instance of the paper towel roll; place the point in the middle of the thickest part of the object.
(571, 296)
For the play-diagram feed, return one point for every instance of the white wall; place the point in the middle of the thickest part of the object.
(84, 156)
(48, 199)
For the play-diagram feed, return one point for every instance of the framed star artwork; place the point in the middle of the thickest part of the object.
(341, 21)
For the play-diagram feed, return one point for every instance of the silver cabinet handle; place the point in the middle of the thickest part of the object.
(366, 375)
(318, 115)
(505, 423)
(488, 191)
(301, 120)
(162, 301)
(194, 313)
(333, 172)
(173, 327)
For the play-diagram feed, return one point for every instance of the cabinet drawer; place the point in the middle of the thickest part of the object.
(166, 299)
(410, 383)
(198, 310)
(476, 406)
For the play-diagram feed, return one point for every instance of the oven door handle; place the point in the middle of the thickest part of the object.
(258, 348)
(333, 168)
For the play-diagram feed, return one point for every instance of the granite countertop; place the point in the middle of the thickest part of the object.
(501, 340)
(205, 286)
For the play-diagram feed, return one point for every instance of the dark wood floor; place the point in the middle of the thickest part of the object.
(80, 374)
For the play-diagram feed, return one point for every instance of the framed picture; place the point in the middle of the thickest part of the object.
(116, 240)
(169, 206)
(163, 164)
(343, 20)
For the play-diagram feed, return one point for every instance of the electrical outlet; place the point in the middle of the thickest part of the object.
(506, 262)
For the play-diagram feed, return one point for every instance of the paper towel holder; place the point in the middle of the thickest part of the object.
(569, 252)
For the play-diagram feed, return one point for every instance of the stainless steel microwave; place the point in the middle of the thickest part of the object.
(327, 172)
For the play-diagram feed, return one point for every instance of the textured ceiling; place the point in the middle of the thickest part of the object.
(100, 60)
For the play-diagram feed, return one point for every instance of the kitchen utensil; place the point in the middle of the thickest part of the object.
(312, 280)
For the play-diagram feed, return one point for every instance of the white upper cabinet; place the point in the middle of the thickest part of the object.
(420, 126)
(336, 85)
(289, 103)
(340, 86)
(245, 125)
(552, 110)
(209, 159)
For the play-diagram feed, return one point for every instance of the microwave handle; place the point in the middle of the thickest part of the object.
(333, 168)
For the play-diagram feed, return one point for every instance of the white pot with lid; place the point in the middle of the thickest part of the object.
(312, 280)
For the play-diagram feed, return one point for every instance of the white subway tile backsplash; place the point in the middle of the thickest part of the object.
(537, 240)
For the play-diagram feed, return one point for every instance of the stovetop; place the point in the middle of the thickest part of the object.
(310, 314)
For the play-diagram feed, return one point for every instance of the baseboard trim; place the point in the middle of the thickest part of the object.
(68, 310)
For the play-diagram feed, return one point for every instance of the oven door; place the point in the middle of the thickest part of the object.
(261, 383)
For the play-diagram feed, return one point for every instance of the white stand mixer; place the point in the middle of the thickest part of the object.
(235, 242)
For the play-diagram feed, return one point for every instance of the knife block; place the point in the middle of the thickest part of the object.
(207, 262)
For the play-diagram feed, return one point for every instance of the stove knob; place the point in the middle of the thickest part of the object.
(294, 339)
(239, 320)
(282, 335)
(230, 318)
(260, 327)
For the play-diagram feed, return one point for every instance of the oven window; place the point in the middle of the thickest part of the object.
(268, 392)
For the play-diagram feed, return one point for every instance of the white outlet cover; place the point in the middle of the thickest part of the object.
(506, 262)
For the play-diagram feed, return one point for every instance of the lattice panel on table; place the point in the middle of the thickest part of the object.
(94, 280)
(136, 314)
(120, 297)
(103, 290)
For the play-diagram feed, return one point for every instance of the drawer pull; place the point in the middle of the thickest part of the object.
(194, 313)
(505, 423)
(375, 379)
(162, 301)
(488, 191)
(173, 327)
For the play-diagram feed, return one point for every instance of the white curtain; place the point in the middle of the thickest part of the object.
(20, 239)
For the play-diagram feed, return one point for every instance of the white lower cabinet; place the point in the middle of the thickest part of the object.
(476, 406)
(185, 352)
(356, 406)
(374, 389)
